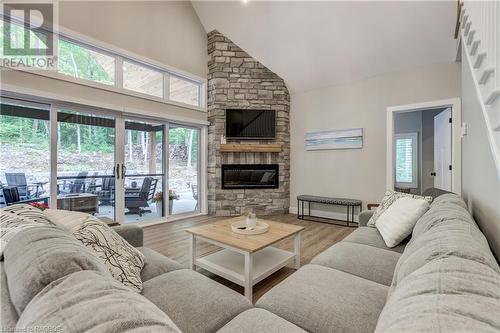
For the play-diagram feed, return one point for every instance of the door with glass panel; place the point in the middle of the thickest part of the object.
(144, 175)
(24, 152)
(86, 162)
(183, 169)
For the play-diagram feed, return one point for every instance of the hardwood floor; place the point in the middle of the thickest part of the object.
(171, 240)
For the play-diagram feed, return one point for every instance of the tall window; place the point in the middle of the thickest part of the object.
(92, 63)
(406, 160)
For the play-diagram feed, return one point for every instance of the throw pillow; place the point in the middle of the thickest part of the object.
(397, 222)
(67, 219)
(389, 198)
(39, 255)
(16, 218)
(123, 260)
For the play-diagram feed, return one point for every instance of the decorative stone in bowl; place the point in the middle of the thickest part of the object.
(242, 228)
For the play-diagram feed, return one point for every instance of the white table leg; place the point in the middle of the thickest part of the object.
(296, 250)
(192, 251)
(248, 276)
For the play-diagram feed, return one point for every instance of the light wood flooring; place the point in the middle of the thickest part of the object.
(171, 240)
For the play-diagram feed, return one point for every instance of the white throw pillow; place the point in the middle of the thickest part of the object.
(67, 219)
(123, 260)
(389, 198)
(397, 222)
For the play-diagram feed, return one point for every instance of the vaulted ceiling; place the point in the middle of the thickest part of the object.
(318, 44)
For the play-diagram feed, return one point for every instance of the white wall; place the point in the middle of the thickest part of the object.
(358, 173)
(167, 32)
(480, 181)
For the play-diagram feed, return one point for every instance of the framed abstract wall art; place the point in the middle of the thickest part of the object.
(351, 138)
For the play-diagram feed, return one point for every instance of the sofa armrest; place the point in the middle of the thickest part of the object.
(364, 217)
(132, 234)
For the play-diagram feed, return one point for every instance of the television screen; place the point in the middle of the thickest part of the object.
(250, 124)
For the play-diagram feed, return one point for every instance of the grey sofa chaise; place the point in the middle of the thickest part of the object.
(443, 279)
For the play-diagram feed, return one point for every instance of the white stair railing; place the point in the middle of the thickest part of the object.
(480, 36)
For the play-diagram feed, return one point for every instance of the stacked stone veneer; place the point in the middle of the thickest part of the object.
(236, 80)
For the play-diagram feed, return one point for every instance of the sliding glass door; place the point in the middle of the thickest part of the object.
(86, 165)
(116, 167)
(24, 152)
(144, 170)
(183, 169)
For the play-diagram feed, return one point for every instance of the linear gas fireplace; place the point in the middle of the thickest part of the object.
(239, 176)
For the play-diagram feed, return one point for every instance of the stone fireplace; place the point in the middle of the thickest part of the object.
(238, 81)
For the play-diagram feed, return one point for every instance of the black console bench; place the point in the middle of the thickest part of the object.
(351, 205)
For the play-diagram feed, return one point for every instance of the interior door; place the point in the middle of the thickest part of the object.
(442, 150)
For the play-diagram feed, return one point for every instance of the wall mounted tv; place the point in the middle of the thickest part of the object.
(250, 124)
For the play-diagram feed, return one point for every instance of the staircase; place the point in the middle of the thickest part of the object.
(478, 27)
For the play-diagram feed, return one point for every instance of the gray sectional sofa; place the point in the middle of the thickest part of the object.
(443, 279)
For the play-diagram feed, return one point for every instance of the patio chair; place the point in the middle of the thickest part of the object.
(18, 179)
(194, 189)
(76, 186)
(11, 195)
(107, 192)
(136, 200)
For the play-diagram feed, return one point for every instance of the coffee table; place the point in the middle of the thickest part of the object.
(245, 259)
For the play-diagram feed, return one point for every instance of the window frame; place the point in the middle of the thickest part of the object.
(415, 160)
(121, 55)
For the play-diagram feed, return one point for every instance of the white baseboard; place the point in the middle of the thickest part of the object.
(326, 214)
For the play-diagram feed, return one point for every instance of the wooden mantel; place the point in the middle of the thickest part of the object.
(251, 148)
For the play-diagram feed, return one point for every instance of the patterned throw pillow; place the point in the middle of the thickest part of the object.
(16, 218)
(389, 198)
(122, 259)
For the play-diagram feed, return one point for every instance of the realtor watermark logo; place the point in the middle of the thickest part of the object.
(28, 35)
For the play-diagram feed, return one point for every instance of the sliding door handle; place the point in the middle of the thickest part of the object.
(124, 169)
(117, 172)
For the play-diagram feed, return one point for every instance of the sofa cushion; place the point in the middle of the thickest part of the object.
(455, 238)
(320, 299)
(361, 260)
(8, 314)
(38, 256)
(89, 301)
(258, 321)
(123, 260)
(156, 264)
(441, 214)
(447, 199)
(371, 236)
(16, 218)
(446, 295)
(193, 301)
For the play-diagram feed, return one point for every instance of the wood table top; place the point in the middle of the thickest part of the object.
(220, 231)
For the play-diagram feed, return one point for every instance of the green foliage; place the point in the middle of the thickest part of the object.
(24, 131)
(81, 62)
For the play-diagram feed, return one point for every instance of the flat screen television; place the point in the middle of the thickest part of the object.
(250, 124)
